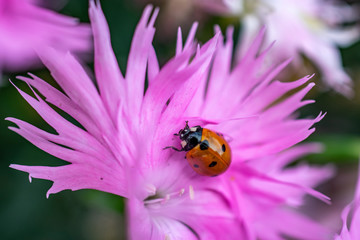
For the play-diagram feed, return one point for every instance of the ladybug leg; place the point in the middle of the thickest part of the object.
(174, 148)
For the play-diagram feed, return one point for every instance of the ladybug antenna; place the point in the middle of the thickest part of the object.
(185, 129)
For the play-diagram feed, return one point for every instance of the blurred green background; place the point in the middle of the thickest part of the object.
(25, 213)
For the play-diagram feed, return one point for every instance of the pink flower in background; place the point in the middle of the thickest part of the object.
(309, 27)
(25, 28)
(119, 148)
(351, 218)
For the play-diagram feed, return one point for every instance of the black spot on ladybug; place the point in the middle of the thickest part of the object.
(196, 166)
(223, 148)
(204, 145)
(212, 164)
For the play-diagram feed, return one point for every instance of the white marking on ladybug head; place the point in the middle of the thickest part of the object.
(183, 144)
(193, 129)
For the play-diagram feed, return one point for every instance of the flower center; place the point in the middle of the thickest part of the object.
(162, 198)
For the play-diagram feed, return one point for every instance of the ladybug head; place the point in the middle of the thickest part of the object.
(184, 133)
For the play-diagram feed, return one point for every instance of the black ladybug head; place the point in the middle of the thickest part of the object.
(184, 133)
(190, 137)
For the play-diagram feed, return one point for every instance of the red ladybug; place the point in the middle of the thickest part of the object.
(208, 153)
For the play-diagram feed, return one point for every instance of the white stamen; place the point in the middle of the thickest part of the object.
(151, 189)
(191, 192)
(30, 178)
(166, 198)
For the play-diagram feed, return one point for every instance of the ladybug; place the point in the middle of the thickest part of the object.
(208, 153)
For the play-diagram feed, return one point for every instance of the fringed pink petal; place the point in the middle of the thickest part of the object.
(29, 27)
(221, 68)
(259, 180)
(189, 41)
(170, 120)
(181, 99)
(308, 175)
(286, 222)
(205, 209)
(286, 157)
(63, 147)
(330, 65)
(246, 76)
(269, 94)
(285, 108)
(58, 99)
(253, 50)
(46, 15)
(70, 35)
(137, 61)
(254, 144)
(72, 78)
(163, 86)
(263, 83)
(79, 176)
(55, 120)
(109, 78)
(350, 229)
(153, 65)
(355, 223)
(143, 225)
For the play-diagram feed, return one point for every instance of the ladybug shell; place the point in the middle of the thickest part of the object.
(213, 159)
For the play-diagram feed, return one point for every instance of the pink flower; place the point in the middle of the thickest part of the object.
(309, 27)
(119, 148)
(26, 28)
(258, 185)
(351, 218)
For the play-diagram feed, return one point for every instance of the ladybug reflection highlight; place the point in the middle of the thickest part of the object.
(208, 153)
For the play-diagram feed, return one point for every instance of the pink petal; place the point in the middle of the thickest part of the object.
(289, 223)
(72, 78)
(78, 176)
(137, 61)
(108, 75)
(25, 27)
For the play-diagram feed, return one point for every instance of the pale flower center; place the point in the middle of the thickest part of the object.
(161, 198)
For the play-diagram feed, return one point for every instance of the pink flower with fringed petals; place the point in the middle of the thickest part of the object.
(124, 130)
(119, 148)
(314, 28)
(351, 217)
(26, 27)
(245, 105)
